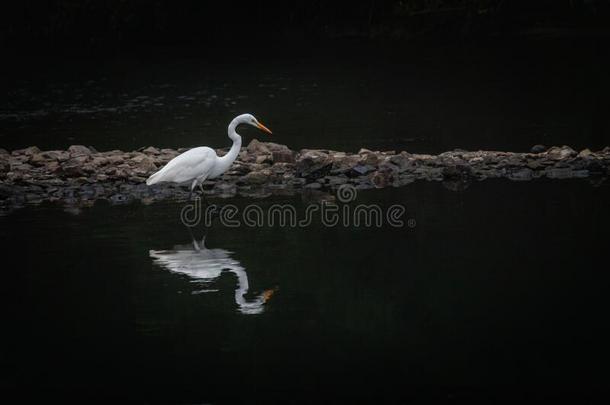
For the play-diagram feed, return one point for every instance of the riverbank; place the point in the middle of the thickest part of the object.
(81, 175)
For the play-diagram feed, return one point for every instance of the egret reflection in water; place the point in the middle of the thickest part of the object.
(204, 266)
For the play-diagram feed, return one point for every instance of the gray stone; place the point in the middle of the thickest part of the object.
(457, 171)
(79, 150)
(255, 178)
(538, 149)
(369, 158)
(382, 178)
(336, 180)
(144, 165)
(282, 156)
(32, 150)
(263, 159)
(151, 150)
(559, 153)
(360, 170)
(523, 174)
(256, 147)
(313, 164)
(343, 163)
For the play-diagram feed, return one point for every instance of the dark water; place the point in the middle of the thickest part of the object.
(499, 290)
(507, 96)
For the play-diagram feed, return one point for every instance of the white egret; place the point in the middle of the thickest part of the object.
(199, 164)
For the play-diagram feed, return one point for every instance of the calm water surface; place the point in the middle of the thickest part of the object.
(498, 288)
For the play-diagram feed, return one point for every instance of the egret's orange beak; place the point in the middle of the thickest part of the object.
(263, 128)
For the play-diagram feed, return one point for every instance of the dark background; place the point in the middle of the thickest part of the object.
(89, 27)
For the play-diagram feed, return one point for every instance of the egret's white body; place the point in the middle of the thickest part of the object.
(199, 164)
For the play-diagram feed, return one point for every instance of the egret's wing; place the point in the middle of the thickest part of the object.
(190, 165)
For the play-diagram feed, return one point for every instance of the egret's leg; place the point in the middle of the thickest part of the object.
(202, 193)
(192, 188)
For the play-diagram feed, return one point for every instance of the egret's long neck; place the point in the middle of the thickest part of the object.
(229, 158)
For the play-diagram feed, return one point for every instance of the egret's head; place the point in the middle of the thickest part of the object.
(251, 120)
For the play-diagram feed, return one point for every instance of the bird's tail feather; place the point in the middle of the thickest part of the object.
(153, 179)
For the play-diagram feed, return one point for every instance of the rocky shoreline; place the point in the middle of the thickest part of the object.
(81, 175)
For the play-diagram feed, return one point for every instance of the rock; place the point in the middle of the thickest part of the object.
(595, 166)
(53, 167)
(79, 150)
(336, 180)
(403, 161)
(534, 164)
(360, 170)
(585, 154)
(4, 152)
(343, 163)
(17, 166)
(261, 159)
(5, 166)
(457, 171)
(32, 150)
(99, 161)
(136, 179)
(538, 149)
(42, 158)
(275, 146)
(256, 147)
(151, 150)
(369, 158)
(143, 164)
(259, 177)
(382, 178)
(282, 156)
(38, 159)
(521, 175)
(560, 153)
(115, 160)
(76, 167)
(313, 164)
(282, 168)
